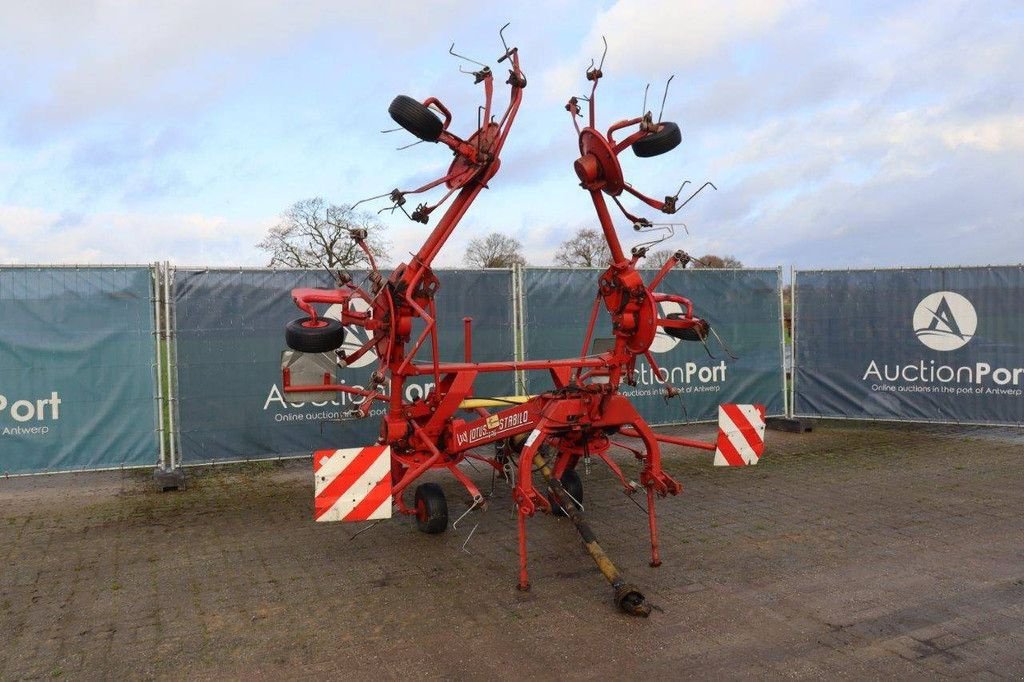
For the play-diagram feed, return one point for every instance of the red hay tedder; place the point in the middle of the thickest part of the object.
(584, 415)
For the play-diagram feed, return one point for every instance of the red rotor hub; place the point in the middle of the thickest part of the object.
(598, 168)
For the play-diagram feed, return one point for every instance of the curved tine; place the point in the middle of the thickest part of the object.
(698, 192)
(721, 342)
(501, 34)
(399, 148)
(603, 54)
(704, 342)
(363, 201)
(685, 183)
(673, 226)
(452, 52)
(591, 67)
(643, 109)
(665, 97)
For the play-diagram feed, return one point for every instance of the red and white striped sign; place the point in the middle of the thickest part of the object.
(740, 435)
(352, 484)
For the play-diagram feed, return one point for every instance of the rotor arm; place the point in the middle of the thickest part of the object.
(629, 140)
(674, 298)
(680, 257)
(305, 298)
(594, 75)
(422, 212)
(517, 81)
(636, 220)
(666, 206)
(573, 107)
(442, 108)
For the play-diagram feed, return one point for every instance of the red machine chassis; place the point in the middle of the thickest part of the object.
(584, 415)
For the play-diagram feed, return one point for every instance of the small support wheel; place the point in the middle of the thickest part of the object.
(307, 335)
(665, 139)
(431, 509)
(574, 486)
(416, 118)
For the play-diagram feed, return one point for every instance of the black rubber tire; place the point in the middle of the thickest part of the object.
(431, 509)
(698, 332)
(574, 486)
(416, 118)
(664, 140)
(314, 339)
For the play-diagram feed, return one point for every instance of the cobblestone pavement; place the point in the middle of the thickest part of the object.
(853, 551)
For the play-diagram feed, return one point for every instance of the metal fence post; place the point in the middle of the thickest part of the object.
(792, 338)
(782, 345)
(170, 477)
(519, 323)
(154, 275)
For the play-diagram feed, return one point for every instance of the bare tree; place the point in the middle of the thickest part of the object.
(315, 234)
(656, 259)
(585, 249)
(494, 251)
(713, 261)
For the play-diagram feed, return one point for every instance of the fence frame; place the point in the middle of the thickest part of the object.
(154, 292)
(172, 360)
(168, 456)
(782, 323)
(794, 314)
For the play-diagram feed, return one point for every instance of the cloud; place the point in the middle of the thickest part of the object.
(920, 187)
(837, 133)
(648, 37)
(33, 235)
(91, 58)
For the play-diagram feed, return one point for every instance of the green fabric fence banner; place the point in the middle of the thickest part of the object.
(77, 352)
(230, 335)
(915, 344)
(742, 306)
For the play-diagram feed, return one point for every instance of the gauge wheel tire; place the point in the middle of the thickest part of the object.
(665, 139)
(321, 336)
(431, 509)
(416, 118)
(574, 486)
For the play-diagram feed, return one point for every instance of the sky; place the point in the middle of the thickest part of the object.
(838, 134)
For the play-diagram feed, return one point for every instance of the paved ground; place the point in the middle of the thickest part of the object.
(852, 551)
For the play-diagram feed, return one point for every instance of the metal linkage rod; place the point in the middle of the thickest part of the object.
(627, 597)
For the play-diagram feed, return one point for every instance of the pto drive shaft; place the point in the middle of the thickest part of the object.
(628, 597)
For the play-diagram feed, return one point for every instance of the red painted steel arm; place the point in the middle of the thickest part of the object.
(675, 298)
(304, 298)
(665, 269)
(673, 440)
(653, 203)
(510, 366)
(619, 126)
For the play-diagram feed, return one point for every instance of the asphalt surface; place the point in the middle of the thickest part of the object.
(854, 551)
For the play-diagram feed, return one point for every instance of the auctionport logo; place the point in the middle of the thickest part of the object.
(355, 336)
(32, 416)
(945, 321)
(663, 343)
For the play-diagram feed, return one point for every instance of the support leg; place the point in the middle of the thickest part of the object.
(526, 496)
(524, 579)
(652, 521)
